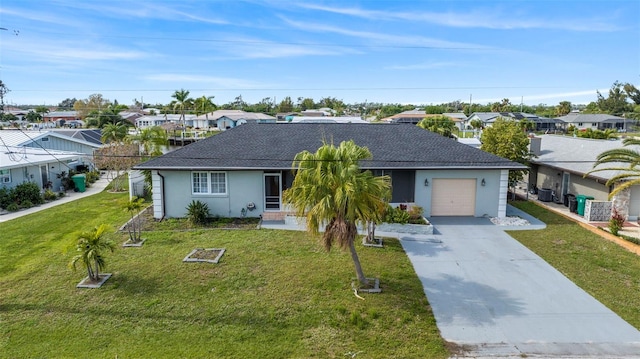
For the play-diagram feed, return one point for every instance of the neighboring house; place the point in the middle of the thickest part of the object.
(562, 163)
(226, 119)
(415, 116)
(159, 120)
(459, 118)
(27, 164)
(59, 118)
(411, 116)
(542, 124)
(246, 169)
(58, 140)
(314, 119)
(596, 121)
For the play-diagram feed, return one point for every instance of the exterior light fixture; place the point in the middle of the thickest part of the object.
(483, 182)
(426, 182)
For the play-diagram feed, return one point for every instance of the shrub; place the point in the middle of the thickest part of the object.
(49, 195)
(396, 215)
(13, 207)
(93, 176)
(197, 212)
(67, 181)
(5, 197)
(616, 222)
(26, 204)
(28, 191)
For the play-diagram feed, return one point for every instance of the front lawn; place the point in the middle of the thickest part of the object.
(605, 270)
(274, 294)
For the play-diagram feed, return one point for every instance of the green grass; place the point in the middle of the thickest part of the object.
(605, 270)
(274, 294)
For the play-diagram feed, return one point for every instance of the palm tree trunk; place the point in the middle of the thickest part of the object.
(356, 262)
(96, 274)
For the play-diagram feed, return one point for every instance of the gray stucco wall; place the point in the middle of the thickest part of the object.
(549, 178)
(487, 197)
(242, 187)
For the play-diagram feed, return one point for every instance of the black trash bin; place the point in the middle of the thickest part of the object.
(567, 199)
(573, 204)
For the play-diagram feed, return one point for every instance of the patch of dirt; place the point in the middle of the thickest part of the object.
(205, 254)
(148, 223)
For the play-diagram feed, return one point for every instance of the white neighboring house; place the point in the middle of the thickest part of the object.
(323, 119)
(26, 164)
(596, 121)
(159, 120)
(40, 156)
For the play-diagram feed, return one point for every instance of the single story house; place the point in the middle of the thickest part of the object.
(414, 116)
(225, 119)
(55, 117)
(542, 124)
(244, 170)
(28, 164)
(562, 163)
(76, 141)
(596, 121)
(326, 119)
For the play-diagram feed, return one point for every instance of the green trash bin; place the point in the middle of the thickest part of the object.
(79, 181)
(582, 201)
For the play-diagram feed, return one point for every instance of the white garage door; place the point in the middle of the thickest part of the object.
(453, 197)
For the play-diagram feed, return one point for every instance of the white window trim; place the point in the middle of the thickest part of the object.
(210, 184)
(5, 176)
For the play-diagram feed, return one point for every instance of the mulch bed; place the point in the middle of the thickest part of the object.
(149, 223)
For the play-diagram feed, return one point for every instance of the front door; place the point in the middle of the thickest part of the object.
(272, 191)
(44, 175)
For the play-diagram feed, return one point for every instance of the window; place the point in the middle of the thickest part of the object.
(5, 176)
(218, 183)
(209, 182)
(200, 184)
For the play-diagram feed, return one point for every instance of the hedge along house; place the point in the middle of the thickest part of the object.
(243, 171)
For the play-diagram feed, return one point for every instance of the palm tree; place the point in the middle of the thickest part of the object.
(182, 101)
(135, 228)
(114, 132)
(91, 245)
(629, 175)
(203, 105)
(330, 188)
(152, 140)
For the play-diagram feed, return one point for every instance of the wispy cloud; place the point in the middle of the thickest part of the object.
(425, 66)
(489, 19)
(214, 81)
(384, 39)
(237, 47)
(150, 10)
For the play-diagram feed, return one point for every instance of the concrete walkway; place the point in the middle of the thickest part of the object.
(96, 187)
(495, 298)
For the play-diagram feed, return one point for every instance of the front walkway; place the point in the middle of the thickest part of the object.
(96, 187)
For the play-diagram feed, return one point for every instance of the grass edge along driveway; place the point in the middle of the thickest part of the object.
(606, 271)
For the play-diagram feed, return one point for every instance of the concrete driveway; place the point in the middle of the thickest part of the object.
(495, 298)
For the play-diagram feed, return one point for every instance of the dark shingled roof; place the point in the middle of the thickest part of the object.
(273, 146)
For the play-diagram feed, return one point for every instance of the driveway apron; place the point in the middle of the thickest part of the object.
(494, 297)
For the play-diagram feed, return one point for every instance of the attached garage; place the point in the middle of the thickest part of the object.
(453, 197)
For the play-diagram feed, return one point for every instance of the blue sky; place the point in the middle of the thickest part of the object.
(418, 52)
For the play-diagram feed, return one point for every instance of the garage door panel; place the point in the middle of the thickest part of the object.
(453, 197)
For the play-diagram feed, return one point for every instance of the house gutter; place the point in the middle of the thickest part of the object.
(163, 196)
